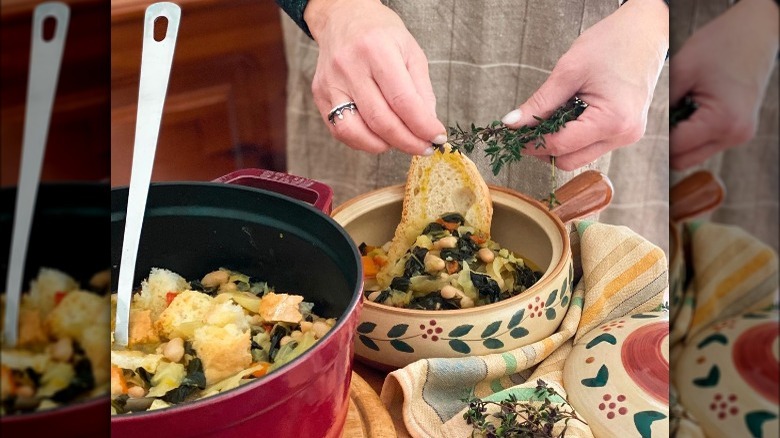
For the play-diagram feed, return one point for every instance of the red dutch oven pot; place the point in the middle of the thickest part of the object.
(69, 219)
(237, 222)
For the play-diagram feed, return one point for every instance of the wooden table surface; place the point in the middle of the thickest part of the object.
(372, 376)
(375, 379)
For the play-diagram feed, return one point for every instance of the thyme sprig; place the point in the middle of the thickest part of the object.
(682, 110)
(552, 200)
(520, 419)
(504, 145)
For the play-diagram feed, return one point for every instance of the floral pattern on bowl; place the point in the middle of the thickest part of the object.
(727, 376)
(617, 376)
(450, 337)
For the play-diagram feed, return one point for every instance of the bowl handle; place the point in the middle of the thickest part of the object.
(303, 189)
(696, 194)
(587, 193)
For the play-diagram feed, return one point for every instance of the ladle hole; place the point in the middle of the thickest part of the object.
(49, 28)
(160, 28)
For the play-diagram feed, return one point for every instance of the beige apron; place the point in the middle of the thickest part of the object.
(749, 172)
(485, 58)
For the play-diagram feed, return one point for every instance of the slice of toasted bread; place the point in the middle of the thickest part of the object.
(445, 182)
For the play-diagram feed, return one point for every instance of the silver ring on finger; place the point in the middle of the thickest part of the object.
(338, 111)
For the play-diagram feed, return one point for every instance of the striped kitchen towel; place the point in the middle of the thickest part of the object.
(729, 273)
(623, 273)
(732, 273)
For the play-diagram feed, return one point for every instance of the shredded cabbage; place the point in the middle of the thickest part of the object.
(293, 349)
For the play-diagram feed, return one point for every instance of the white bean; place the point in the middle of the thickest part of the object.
(255, 320)
(62, 350)
(446, 242)
(25, 391)
(285, 340)
(320, 329)
(136, 391)
(433, 263)
(296, 335)
(306, 326)
(215, 278)
(228, 287)
(449, 292)
(486, 255)
(374, 295)
(101, 280)
(174, 349)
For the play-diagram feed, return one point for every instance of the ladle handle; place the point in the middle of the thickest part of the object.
(585, 194)
(45, 60)
(696, 194)
(156, 60)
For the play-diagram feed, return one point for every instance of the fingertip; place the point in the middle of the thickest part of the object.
(512, 118)
(440, 139)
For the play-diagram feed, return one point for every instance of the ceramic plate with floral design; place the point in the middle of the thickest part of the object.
(727, 376)
(617, 376)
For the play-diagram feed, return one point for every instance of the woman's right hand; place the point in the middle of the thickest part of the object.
(367, 56)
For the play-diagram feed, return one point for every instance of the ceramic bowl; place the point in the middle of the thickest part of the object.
(390, 337)
(617, 376)
(727, 376)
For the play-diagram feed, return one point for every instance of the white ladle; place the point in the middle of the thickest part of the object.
(156, 60)
(45, 60)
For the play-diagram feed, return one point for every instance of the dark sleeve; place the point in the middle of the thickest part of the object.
(295, 8)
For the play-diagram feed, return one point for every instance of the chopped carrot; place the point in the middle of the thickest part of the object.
(479, 240)
(450, 226)
(7, 384)
(58, 296)
(452, 266)
(118, 381)
(260, 372)
(369, 267)
(380, 260)
(169, 297)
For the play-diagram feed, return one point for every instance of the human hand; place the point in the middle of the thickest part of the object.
(613, 66)
(725, 67)
(368, 56)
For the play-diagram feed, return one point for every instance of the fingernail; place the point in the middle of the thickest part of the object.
(440, 139)
(512, 118)
(428, 151)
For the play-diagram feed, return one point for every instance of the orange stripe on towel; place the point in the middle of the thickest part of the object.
(728, 284)
(618, 283)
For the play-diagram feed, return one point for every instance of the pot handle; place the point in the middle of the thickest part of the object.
(694, 195)
(587, 193)
(303, 189)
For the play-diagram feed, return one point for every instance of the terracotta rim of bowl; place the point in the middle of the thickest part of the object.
(547, 278)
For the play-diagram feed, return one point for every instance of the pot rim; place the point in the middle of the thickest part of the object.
(67, 409)
(551, 273)
(341, 322)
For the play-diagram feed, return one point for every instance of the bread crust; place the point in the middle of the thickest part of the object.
(445, 182)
